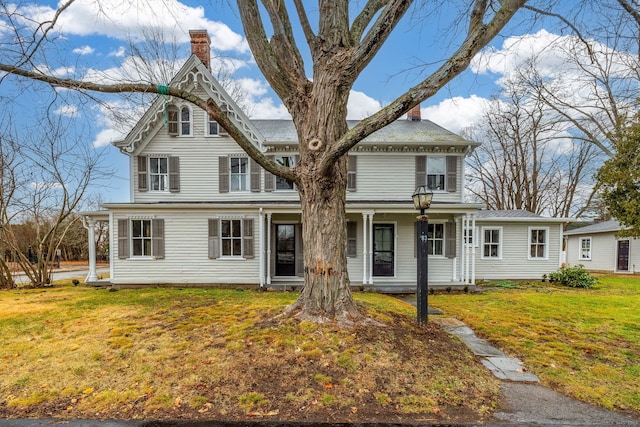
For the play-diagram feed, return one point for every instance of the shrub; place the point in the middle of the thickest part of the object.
(574, 277)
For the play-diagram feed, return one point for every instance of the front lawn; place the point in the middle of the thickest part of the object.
(75, 352)
(581, 342)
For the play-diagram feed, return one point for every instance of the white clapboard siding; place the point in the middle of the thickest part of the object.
(186, 253)
(515, 262)
(380, 175)
(604, 252)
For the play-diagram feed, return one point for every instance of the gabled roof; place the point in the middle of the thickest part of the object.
(610, 226)
(516, 215)
(193, 74)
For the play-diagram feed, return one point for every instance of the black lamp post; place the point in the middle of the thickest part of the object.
(422, 201)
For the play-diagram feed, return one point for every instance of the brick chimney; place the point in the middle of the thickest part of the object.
(201, 46)
(414, 114)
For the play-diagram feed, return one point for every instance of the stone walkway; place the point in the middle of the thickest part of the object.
(501, 365)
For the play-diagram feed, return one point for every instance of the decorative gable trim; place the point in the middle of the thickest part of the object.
(193, 74)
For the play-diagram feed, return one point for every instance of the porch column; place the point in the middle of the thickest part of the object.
(365, 248)
(463, 257)
(370, 282)
(261, 246)
(473, 251)
(89, 223)
(268, 248)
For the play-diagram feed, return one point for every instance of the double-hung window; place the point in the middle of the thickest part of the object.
(492, 243)
(158, 173)
(239, 173)
(538, 243)
(141, 237)
(585, 248)
(436, 173)
(282, 183)
(435, 244)
(231, 237)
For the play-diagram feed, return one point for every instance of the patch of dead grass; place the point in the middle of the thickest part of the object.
(219, 354)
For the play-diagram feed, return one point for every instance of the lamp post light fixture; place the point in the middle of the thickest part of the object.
(422, 198)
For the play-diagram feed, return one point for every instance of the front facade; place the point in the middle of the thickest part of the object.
(202, 212)
(598, 248)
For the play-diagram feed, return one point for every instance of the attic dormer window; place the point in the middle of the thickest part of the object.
(212, 126)
(185, 121)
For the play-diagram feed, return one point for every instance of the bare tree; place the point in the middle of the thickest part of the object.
(50, 178)
(340, 48)
(529, 159)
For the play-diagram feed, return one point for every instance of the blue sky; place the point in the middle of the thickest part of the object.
(93, 43)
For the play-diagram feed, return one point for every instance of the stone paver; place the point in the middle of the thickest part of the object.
(500, 365)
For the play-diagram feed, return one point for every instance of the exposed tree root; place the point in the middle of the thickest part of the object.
(346, 318)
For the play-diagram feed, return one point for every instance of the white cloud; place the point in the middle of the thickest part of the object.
(457, 113)
(118, 53)
(68, 111)
(123, 20)
(361, 105)
(84, 50)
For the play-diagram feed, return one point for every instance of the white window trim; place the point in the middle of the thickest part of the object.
(131, 239)
(232, 257)
(247, 175)
(580, 257)
(206, 127)
(180, 134)
(426, 177)
(444, 239)
(499, 257)
(395, 249)
(149, 173)
(546, 244)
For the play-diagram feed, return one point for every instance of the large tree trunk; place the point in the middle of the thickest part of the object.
(326, 294)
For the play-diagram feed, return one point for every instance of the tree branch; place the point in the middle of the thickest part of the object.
(476, 39)
(363, 20)
(210, 107)
(304, 22)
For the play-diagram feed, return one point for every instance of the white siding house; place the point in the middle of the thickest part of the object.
(597, 248)
(202, 212)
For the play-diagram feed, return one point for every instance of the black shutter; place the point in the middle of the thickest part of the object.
(247, 238)
(299, 251)
(269, 178)
(452, 173)
(351, 173)
(255, 176)
(352, 239)
(450, 242)
(174, 174)
(157, 238)
(214, 240)
(172, 120)
(223, 174)
(421, 170)
(143, 180)
(123, 238)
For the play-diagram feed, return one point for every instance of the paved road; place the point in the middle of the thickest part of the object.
(65, 274)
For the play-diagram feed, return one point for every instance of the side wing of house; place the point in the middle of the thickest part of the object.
(597, 248)
(517, 248)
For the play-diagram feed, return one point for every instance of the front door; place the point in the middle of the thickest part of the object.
(383, 250)
(285, 250)
(623, 255)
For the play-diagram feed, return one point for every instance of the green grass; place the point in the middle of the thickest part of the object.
(581, 342)
(72, 351)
